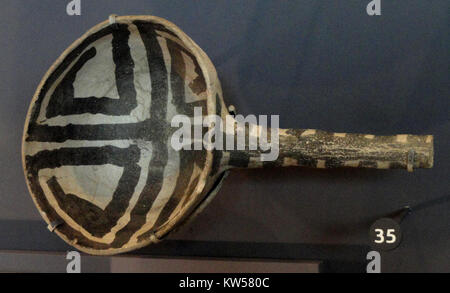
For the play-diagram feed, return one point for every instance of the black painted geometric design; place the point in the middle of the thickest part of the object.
(155, 130)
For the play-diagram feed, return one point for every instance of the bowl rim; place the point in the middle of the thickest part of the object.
(213, 87)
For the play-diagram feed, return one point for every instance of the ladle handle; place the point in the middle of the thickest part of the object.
(322, 149)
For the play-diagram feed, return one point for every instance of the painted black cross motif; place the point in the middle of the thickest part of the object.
(118, 144)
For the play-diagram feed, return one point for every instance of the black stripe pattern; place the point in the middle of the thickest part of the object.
(59, 119)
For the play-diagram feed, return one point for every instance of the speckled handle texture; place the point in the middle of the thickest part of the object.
(322, 149)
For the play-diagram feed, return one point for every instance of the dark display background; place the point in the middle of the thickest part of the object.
(318, 64)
